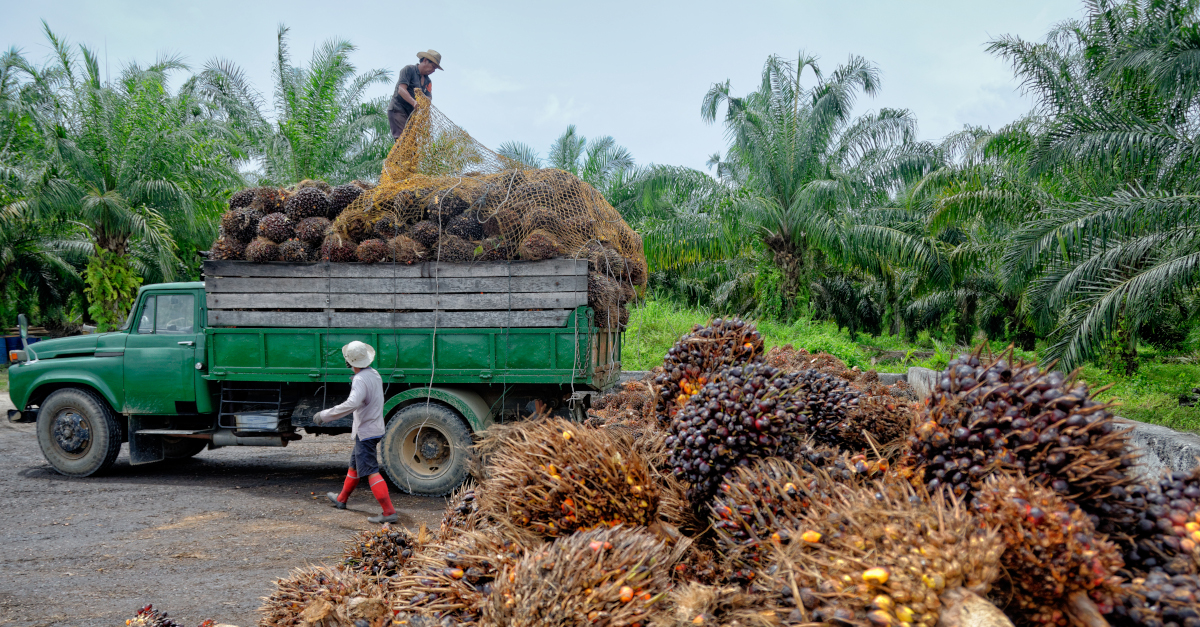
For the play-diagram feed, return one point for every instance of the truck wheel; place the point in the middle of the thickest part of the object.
(182, 448)
(426, 449)
(78, 432)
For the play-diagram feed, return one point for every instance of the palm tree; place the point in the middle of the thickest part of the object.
(600, 162)
(322, 126)
(129, 162)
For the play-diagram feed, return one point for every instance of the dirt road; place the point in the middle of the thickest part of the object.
(202, 538)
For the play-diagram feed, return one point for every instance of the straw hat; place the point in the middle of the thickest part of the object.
(358, 354)
(434, 57)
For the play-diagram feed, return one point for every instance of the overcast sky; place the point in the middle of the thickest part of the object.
(636, 70)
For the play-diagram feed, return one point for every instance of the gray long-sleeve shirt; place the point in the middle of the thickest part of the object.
(366, 401)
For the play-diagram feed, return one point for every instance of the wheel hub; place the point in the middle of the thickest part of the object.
(432, 445)
(72, 432)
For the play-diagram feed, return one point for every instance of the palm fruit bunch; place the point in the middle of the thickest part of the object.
(555, 477)
(540, 218)
(309, 202)
(241, 198)
(340, 197)
(355, 226)
(494, 249)
(633, 403)
(638, 272)
(402, 249)
(693, 360)
(467, 226)
(372, 251)
(987, 414)
(382, 552)
(338, 250)
(539, 245)
(314, 183)
(881, 555)
(702, 565)
(240, 224)
(295, 251)
(425, 233)
(829, 400)
(454, 580)
(607, 262)
(276, 227)
(452, 249)
(604, 299)
(227, 249)
(388, 226)
(267, 200)
(150, 617)
(605, 576)
(1052, 552)
(326, 597)
(312, 231)
(1166, 534)
(716, 606)
(1159, 599)
(407, 204)
(503, 223)
(462, 513)
(262, 250)
(445, 204)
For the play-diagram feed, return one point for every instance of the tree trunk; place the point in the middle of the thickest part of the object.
(790, 260)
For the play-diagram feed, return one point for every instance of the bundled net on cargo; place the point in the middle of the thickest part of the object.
(442, 196)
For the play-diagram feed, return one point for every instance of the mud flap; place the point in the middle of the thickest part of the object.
(143, 449)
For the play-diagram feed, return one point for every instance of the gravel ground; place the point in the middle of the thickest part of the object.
(201, 538)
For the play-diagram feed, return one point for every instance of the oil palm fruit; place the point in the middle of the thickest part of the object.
(227, 249)
(443, 205)
(696, 357)
(295, 251)
(540, 218)
(276, 227)
(1159, 599)
(312, 230)
(606, 576)
(388, 226)
(241, 198)
(356, 226)
(267, 200)
(150, 617)
(696, 604)
(425, 233)
(402, 249)
(340, 197)
(1166, 532)
(380, 552)
(1055, 559)
(372, 251)
(555, 477)
(493, 249)
(466, 226)
(539, 245)
(881, 555)
(318, 595)
(262, 250)
(338, 250)
(453, 581)
(309, 202)
(240, 224)
(504, 222)
(987, 413)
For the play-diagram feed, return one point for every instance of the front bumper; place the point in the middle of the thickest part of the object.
(15, 415)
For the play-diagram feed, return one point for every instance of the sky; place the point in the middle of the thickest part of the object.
(635, 70)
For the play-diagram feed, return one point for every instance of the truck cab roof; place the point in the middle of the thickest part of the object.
(189, 285)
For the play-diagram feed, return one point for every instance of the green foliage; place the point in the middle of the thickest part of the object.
(112, 286)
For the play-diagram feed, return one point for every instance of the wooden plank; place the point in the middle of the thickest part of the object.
(375, 319)
(514, 300)
(358, 285)
(549, 267)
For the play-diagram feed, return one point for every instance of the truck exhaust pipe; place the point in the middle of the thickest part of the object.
(226, 437)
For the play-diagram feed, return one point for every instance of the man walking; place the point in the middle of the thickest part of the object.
(366, 401)
(412, 77)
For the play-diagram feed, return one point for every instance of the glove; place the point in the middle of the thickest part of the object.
(319, 418)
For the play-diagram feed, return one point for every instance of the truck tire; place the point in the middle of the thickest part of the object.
(426, 449)
(182, 448)
(78, 432)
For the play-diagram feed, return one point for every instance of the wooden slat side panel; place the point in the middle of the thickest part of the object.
(518, 300)
(374, 319)
(550, 267)
(413, 285)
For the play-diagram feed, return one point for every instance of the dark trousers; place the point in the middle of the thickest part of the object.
(397, 120)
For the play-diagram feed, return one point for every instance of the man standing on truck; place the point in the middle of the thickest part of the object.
(412, 77)
(366, 401)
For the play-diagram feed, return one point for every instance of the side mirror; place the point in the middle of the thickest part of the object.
(21, 322)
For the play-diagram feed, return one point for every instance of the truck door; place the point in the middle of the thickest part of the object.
(160, 356)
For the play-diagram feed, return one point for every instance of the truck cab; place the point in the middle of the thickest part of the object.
(171, 385)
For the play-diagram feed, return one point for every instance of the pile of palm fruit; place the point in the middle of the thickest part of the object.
(745, 493)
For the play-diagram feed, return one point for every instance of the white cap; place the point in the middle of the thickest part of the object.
(358, 354)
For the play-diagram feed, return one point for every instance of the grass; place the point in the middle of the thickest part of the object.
(4, 379)
(1151, 395)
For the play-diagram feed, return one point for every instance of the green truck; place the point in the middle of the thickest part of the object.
(247, 357)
